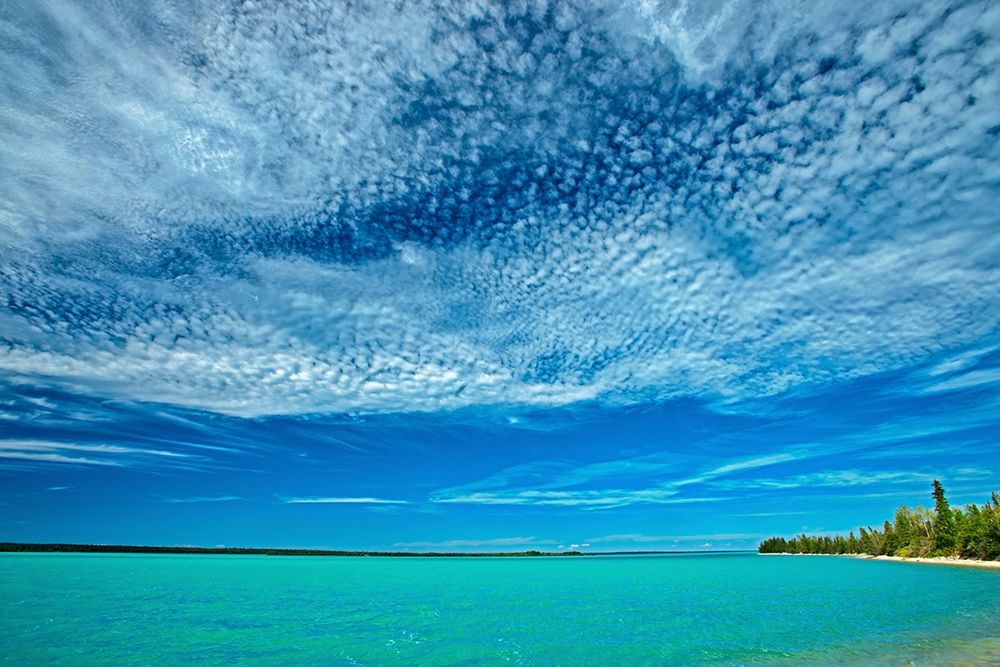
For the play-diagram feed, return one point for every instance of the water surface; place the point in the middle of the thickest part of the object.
(722, 609)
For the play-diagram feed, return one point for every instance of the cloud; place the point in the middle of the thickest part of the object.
(321, 500)
(45, 457)
(587, 499)
(202, 499)
(475, 543)
(959, 361)
(563, 484)
(810, 458)
(740, 466)
(853, 478)
(50, 451)
(292, 208)
(640, 538)
(968, 380)
(830, 478)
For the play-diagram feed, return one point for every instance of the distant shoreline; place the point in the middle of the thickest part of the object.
(936, 560)
(16, 547)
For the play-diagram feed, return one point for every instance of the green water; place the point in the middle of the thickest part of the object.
(727, 609)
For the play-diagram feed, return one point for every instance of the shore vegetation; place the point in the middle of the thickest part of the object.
(971, 533)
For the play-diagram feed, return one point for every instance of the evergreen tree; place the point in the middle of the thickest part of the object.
(864, 541)
(904, 530)
(973, 533)
(877, 540)
(889, 539)
(943, 523)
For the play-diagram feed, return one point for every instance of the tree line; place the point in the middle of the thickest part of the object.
(972, 532)
(21, 547)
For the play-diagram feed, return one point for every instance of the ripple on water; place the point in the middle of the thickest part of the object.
(711, 610)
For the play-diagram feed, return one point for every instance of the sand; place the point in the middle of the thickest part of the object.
(938, 560)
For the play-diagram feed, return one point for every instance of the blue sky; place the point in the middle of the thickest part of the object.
(494, 276)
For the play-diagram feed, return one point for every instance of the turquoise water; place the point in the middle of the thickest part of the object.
(727, 609)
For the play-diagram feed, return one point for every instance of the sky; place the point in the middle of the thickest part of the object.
(483, 276)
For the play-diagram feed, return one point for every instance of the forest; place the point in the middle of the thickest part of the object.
(972, 532)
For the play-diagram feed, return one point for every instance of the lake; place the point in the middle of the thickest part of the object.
(715, 609)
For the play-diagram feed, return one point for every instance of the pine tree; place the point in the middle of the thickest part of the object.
(889, 541)
(864, 541)
(904, 530)
(943, 523)
(973, 533)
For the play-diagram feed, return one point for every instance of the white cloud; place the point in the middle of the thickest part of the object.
(641, 538)
(475, 543)
(852, 478)
(967, 380)
(202, 499)
(334, 500)
(287, 208)
(739, 466)
(959, 362)
(563, 483)
(586, 499)
(51, 451)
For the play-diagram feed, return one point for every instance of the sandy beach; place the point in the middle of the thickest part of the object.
(940, 560)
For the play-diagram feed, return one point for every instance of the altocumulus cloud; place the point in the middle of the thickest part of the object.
(283, 208)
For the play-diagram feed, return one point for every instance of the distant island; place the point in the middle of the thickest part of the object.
(11, 547)
(18, 547)
(917, 532)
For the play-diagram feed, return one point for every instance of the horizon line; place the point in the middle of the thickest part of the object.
(65, 547)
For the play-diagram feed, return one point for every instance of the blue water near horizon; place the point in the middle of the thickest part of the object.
(678, 609)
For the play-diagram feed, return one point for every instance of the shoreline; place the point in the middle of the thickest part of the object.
(935, 560)
(19, 547)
